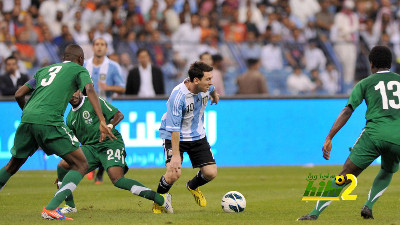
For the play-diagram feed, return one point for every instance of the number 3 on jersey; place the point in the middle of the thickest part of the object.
(52, 72)
(385, 102)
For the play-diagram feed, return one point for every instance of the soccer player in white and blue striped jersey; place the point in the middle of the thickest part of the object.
(182, 129)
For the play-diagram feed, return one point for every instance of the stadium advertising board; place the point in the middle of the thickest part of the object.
(251, 132)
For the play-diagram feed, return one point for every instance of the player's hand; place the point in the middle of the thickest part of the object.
(326, 149)
(102, 86)
(175, 163)
(215, 98)
(105, 132)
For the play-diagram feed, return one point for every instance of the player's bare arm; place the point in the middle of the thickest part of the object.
(118, 116)
(94, 100)
(20, 95)
(214, 97)
(113, 88)
(176, 158)
(340, 121)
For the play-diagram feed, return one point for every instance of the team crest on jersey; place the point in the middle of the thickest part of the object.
(86, 116)
(102, 76)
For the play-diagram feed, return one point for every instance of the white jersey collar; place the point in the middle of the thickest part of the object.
(80, 105)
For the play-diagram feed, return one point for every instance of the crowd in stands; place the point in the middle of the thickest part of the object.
(270, 47)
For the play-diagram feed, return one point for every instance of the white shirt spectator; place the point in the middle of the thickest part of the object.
(304, 9)
(48, 9)
(146, 88)
(186, 41)
(330, 81)
(299, 84)
(8, 5)
(272, 57)
(315, 59)
(100, 16)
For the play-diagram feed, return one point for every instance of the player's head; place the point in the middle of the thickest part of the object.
(76, 98)
(74, 53)
(200, 74)
(206, 58)
(380, 57)
(99, 47)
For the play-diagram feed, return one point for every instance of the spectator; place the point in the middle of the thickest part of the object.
(187, 38)
(298, 83)
(105, 73)
(250, 48)
(145, 80)
(26, 50)
(13, 79)
(345, 36)
(324, 19)
(370, 35)
(129, 46)
(330, 79)
(294, 49)
(80, 36)
(217, 76)
(272, 54)
(101, 32)
(252, 82)
(315, 57)
(47, 52)
(235, 31)
(171, 16)
(316, 80)
(103, 15)
(304, 9)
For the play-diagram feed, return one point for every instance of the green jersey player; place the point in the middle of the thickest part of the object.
(83, 121)
(42, 123)
(380, 137)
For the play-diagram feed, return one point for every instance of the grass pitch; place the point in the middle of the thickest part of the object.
(273, 196)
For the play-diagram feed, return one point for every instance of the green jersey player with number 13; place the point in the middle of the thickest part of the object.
(381, 135)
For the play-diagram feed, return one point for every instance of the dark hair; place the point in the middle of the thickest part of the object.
(380, 57)
(217, 58)
(10, 58)
(204, 53)
(197, 69)
(140, 50)
(252, 62)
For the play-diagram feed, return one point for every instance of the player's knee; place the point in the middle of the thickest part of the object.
(172, 176)
(83, 167)
(210, 174)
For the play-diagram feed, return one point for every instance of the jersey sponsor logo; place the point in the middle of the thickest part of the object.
(86, 116)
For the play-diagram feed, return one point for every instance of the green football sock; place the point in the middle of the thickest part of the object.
(381, 182)
(138, 188)
(4, 177)
(61, 172)
(70, 181)
(321, 205)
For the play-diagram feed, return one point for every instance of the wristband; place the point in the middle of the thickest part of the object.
(110, 126)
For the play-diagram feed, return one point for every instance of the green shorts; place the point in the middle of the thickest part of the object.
(107, 154)
(366, 150)
(57, 140)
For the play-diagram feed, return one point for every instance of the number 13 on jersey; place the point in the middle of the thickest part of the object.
(382, 88)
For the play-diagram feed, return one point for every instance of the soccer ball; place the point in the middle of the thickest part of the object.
(233, 201)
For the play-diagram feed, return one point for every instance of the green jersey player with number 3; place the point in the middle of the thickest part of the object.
(42, 124)
(83, 121)
(381, 135)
